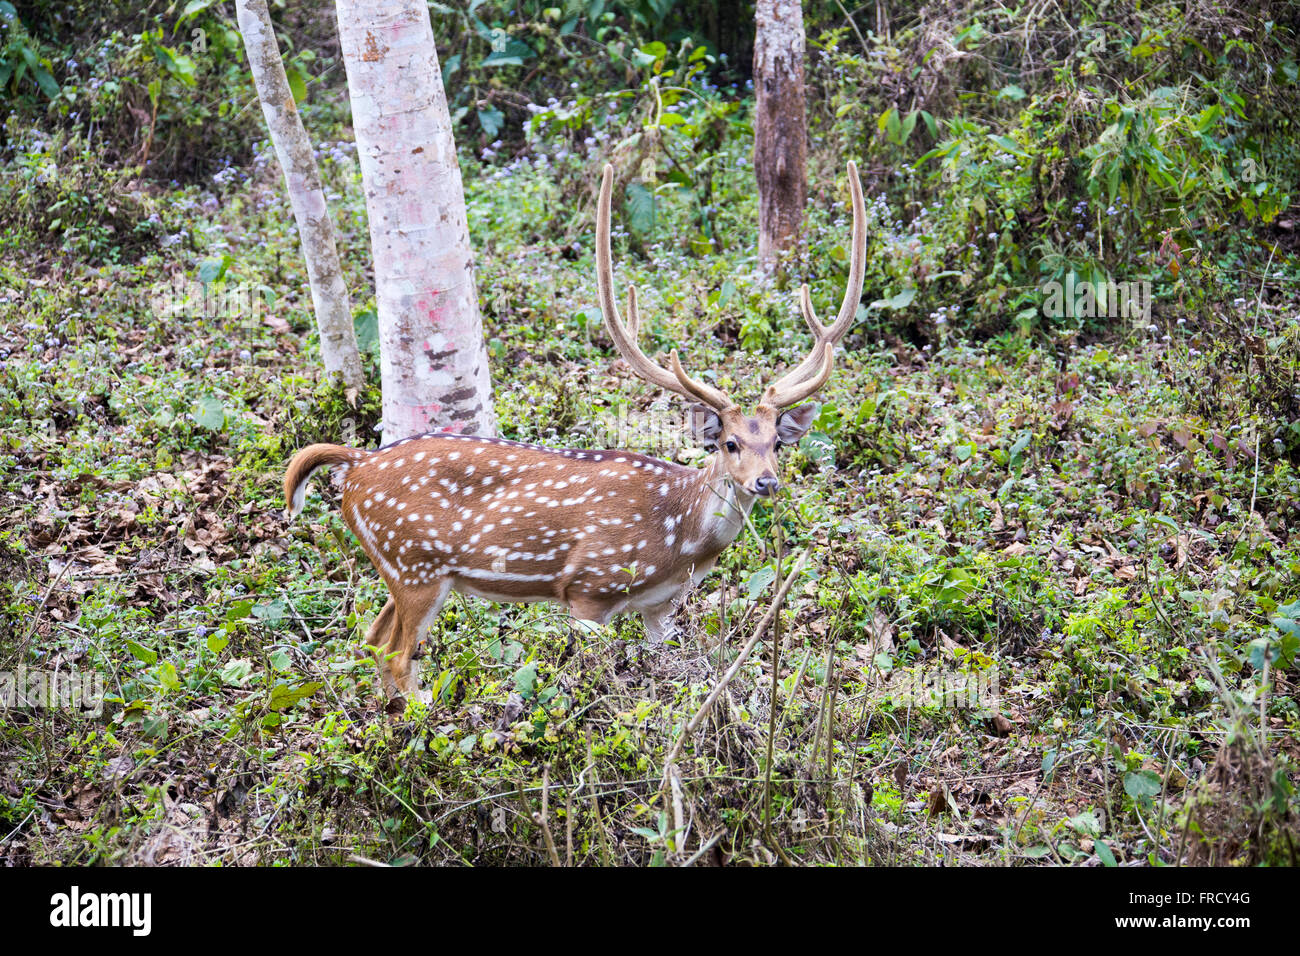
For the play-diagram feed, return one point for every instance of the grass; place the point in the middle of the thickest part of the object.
(1038, 620)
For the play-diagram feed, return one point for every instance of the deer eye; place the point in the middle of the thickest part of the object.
(732, 446)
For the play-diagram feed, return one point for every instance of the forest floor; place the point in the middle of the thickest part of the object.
(1043, 618)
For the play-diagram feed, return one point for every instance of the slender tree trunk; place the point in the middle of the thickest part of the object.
(329, 294)
(780, 127)
(433, 357)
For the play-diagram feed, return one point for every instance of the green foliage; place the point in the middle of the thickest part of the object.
(23, 68)
(1049, 612)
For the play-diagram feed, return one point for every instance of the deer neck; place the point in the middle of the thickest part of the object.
(718, 509)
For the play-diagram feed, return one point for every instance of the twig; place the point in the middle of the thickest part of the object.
(705, 848)
(595, 806)
(36, 616)
(776, 688)
(771, 707)
(848, 16)
(568, 829)
(734, 669)
(540, 818)
(679, 833)
(1254, 487)
(833, 687)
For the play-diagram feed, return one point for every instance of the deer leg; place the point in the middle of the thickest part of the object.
(379, 636)
(591, 609)
(416, 617)
(657, 607)
(659, 625)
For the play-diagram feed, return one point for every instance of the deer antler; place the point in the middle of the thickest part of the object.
(624, 336)
(811, 374)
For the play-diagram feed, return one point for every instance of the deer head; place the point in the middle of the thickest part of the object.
(745, 446)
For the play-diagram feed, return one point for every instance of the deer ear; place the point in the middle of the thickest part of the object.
(706, 426)
(794, 424)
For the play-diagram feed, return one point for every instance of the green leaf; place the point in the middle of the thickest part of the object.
(167, 676)
(526, 680)
(280, 660)
(1087, 824)
(217, 641)
(366, 324)
(1104, 853)
(1261, 650)
(648, 54)
(641, 208)
(297, 83)
(514, 54)
(177, 64)
(153, 726)
(449, 68)
(726, 293)
(1011, 92)
(285, 695)
(272, 612)
(236, 672)
(239, 610)
(1287, 648)
(1287, 625)
(213, 270)
(903, 299)
(210, 413)
(909, 124)
(819, 447)
(1010, 145)
(491, 120)
(193, 8)
(141, 653)
(759, 580)
(900, 301)
(48, 84)
(1142, 784)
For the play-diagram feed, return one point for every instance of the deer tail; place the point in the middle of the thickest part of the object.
(309, 461)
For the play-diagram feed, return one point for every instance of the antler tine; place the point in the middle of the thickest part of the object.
(624, 336)
(823, 335)
(633, 316)
(819, 331)
(709, 395)
(800, 390)
(812, 361)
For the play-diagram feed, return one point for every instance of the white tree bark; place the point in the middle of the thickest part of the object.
(780, 127)
(433, 356)
(329, 294)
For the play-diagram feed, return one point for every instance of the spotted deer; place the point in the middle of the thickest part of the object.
(600, 532)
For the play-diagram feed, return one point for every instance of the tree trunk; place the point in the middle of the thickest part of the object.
(329, 294)
(432, 353)
(780, 127)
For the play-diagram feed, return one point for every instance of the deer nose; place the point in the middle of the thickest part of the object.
(766, 486)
